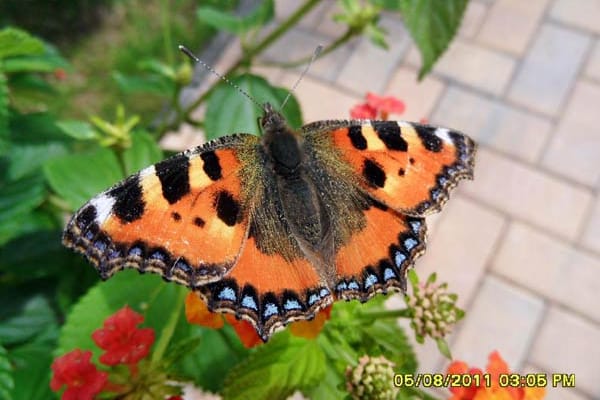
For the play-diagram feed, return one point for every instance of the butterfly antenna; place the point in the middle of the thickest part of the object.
(312, 59)
(191, 55)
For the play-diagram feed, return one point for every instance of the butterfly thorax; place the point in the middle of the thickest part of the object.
(297, 193)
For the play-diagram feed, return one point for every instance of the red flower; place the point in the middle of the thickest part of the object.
(123, 342)
(81, 377)
(378, 107)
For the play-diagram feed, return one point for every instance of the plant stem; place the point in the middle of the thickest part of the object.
(166, 28)
(167, 331)
(256, 50)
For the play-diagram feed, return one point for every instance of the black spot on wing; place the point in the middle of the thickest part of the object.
(211, 166)
(86, 217)
(129, 203)
(176, 216)
(173, 174)
(228, 208)
(356, 137)
(373, 173)
(199, 222)
(389, 133)
(428, 138)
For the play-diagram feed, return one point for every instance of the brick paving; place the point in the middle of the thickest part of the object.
(521, 243)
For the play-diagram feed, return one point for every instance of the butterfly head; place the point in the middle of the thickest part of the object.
(272, 122)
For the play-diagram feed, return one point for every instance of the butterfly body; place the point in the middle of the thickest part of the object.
(273, 229)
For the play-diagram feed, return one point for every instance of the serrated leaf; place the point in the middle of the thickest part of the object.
(15, 42)
(79, 130)
(78, 177)
(145, 84)
(143, 152)
(221, 20)
(276, 370)
(225, 101)
(47, 62)
(21, 196)
(152, 297)
(432, 24)
(35, 316)
(7, 382)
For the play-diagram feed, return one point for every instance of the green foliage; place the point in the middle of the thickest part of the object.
(218, 19)
(432, 25)
(225, 102)
(7, 382)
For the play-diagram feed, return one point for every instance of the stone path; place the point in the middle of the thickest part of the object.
(521, 243)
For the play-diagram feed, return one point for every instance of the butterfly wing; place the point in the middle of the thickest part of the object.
(407, 166)
(184, 218)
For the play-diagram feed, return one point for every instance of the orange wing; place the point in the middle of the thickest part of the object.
(376, 258)
(407, 166)
(268, 290)
(183, 218)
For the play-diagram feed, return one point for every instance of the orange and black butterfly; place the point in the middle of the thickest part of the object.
(275, 228)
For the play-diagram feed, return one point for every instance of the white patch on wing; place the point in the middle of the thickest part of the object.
(444, 134)
(104, 205)
(147, 171)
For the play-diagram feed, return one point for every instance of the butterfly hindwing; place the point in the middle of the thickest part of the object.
(408, 166)
(183, 218)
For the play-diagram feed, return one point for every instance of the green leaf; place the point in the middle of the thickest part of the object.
(225, 101)
(20, 196)
(7, 382)
(79, 130)
(25, 223)
(16, 42)
(32, 370)
(219, 351)
(35, 316)
(276, 370)
(157, 67)
(221, 20)
(443, 347)
(143, 152)
(79, 177)
(432, 24)
(35, 128)
(47, 62)
(4, 133)
(27, 158)
(153, 84)
(328, 387)
(154, 298)
(392, 5)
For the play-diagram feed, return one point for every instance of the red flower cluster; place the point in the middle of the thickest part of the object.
(123, 343)
(491, 390)
(82, 378)
(377, 107)
(198, 313)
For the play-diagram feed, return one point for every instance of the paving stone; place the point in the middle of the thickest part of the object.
(592, 68)
(319, 100)
(369, 68)
(556, 393)
(419, 97)
(528, 194)
(549, 69)
(510, 24)
(575, 148)
(591, 236)
(583, 14)
(568, 344)
(473, 65)
(461, 246)
(285, 8)
(492, 123)
(304, 45)
(498, 312)
(473, 18)
(551, 268)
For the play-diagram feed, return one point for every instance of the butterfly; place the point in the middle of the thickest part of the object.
(275, 228)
